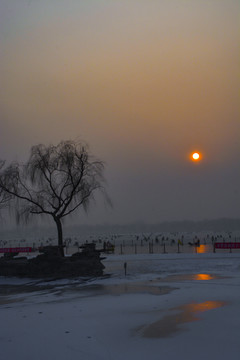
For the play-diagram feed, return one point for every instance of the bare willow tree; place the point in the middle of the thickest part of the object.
(55, 181)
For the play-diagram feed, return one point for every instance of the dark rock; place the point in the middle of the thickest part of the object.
(50, 264)
(10, 255)
(50, 250)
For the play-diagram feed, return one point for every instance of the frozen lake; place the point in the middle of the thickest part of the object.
(168, 306)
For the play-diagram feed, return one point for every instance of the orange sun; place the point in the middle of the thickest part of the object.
(195, 156)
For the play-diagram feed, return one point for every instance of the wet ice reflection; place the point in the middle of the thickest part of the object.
(203, 249)
(169, 324)
(198, 277)
(125, 288)
(203, 277)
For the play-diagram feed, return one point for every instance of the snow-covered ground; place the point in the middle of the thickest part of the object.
(168, 306)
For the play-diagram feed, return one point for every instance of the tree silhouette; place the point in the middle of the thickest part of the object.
(4, 196)
(55, 181)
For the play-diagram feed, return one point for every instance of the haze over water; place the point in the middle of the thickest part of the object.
(145, 83)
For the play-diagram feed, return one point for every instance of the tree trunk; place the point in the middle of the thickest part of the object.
(60, 235)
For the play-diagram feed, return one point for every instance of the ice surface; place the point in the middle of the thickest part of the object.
(190, 302)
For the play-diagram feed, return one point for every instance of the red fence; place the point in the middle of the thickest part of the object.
(227, 245)
(16, 250)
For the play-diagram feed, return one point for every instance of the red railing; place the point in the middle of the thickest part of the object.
(227, 245)
(16, 250)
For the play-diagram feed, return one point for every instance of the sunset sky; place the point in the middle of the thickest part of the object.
(145, 83)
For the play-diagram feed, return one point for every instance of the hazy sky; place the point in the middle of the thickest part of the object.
(144, 82)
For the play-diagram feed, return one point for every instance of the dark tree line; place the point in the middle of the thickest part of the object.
(55, 181)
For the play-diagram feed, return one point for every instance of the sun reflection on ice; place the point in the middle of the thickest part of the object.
(190, 277)
(195, 308)
(203, 277)
(169, 324)
(202, 249)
